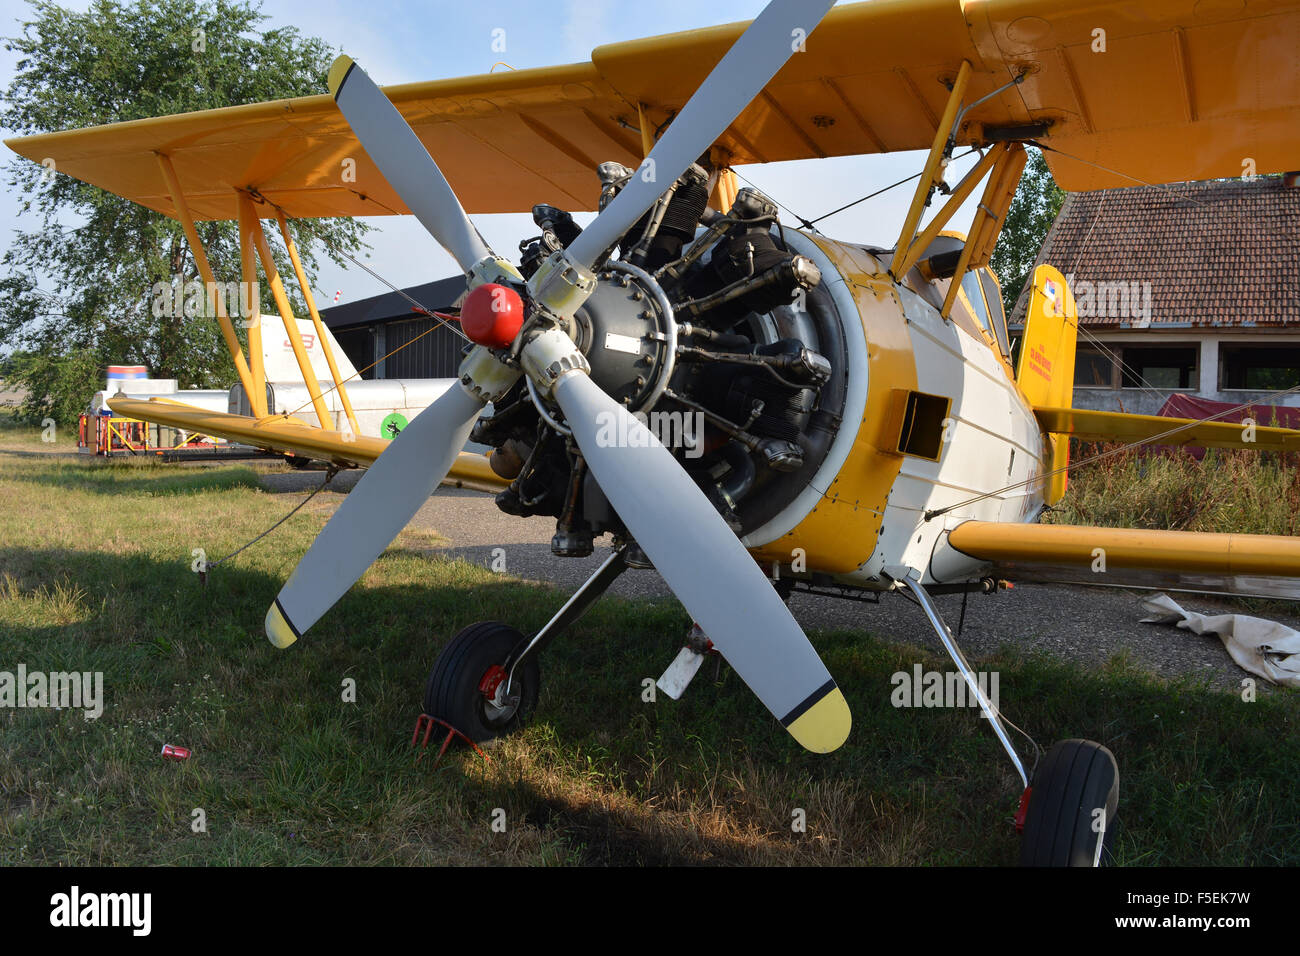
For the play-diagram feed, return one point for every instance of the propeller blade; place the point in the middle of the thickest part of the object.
(748, 66)
(707, 567)
(404, 161)
(381, 504)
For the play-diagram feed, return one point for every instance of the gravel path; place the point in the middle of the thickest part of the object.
(1081, 624)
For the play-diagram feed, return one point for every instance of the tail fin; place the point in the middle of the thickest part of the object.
(1045, 372)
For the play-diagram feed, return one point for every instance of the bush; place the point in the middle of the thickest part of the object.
(57, 386)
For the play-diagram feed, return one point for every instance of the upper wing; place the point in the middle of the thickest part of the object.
(1089, 425)
(1159, 91)
(282, 433)
(1181, 91)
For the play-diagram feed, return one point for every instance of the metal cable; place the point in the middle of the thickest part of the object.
(208, 565)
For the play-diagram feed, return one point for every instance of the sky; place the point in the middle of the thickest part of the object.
(399, 41)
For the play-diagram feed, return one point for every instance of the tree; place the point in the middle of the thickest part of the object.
(65, 383)
(103, 255)
(1033, 210)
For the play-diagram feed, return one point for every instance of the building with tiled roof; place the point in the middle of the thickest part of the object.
(1192, 287)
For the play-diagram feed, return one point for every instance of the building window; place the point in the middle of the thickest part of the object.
(1262, 368)
(1093, 368)
(1161, 367)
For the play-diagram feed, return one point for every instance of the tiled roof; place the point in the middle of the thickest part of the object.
(1222, 253)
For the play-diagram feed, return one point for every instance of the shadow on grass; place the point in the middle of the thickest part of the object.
(54, 454)
(1205, 777)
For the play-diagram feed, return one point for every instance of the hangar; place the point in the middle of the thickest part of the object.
(369, 330)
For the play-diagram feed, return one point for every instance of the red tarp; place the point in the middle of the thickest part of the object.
(1189, 406)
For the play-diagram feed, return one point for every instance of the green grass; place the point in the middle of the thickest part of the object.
(95, 575)
(18, 437)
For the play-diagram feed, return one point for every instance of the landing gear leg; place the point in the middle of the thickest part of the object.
(1066, 813)
(574, 608)
(911, 579)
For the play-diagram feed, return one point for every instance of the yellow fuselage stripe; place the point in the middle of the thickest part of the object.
(840, 532)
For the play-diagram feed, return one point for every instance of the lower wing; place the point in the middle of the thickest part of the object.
(283, 433)
(1255, 565)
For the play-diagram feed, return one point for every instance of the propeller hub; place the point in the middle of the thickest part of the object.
(492, 315)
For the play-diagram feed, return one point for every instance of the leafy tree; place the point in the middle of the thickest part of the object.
(1033, 210)
(58, 385)
(100, 254)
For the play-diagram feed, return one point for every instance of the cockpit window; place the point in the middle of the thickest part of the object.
(993, 295)
(970, 284)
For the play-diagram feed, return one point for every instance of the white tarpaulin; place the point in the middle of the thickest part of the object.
(1262, 647)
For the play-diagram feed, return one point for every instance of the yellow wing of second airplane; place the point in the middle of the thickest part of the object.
(283, 433)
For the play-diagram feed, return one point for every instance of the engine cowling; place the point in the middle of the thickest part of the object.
(730, 352)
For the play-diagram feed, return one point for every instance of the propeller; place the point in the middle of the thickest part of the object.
(706, 566)
(740, 75)
(415, 462)
(405, 163)
(370, 517)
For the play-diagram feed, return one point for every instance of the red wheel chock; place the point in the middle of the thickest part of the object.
(1023, 811)
(426, 723)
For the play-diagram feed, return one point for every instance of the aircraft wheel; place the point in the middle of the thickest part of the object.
(1075, 779)
(467, 687)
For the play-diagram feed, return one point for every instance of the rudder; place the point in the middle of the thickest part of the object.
(1045, 369)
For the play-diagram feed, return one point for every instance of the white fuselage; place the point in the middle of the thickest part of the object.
(993, 446)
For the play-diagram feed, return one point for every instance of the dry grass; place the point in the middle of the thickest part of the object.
(25, 438)
(1227, 491)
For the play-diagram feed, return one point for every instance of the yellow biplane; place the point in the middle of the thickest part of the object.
(846, 415)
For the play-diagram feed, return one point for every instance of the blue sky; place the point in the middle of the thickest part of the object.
(399, 41)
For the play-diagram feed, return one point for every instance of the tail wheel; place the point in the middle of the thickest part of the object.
(468, 685)
(1072, 803)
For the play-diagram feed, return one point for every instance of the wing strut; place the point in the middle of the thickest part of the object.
(321, 335)
(209, 278)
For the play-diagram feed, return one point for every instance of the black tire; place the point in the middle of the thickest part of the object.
(452, 691)
(1074, 779)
